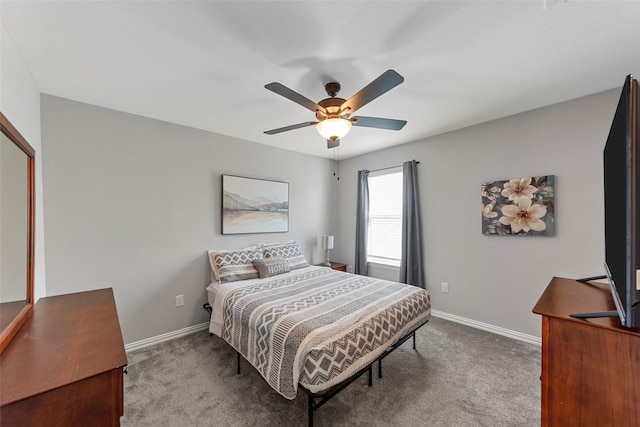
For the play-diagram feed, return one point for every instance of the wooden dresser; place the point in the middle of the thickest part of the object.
(65, 365)
(590, 368)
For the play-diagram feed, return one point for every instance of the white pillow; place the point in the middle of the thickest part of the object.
(270, 245)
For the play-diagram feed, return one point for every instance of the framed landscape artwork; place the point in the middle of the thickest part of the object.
(252, 205)
(519, 206)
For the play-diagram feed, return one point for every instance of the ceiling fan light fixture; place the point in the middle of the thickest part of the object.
(333, 129)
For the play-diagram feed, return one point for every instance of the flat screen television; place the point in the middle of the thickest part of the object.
(622, 209)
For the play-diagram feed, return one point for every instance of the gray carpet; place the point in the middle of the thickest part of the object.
(458, 376)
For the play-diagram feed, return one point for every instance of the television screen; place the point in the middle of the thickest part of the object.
(622, 206)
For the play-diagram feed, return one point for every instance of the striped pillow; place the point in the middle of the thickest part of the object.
(289, 251)
(236, 265)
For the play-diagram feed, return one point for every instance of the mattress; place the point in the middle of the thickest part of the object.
(314, 326)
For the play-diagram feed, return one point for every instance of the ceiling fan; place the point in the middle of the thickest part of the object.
(333, 113)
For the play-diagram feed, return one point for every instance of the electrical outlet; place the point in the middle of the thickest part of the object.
(179, 300)
(444, 287)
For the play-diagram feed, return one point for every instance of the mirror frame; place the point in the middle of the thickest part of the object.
(12, 328)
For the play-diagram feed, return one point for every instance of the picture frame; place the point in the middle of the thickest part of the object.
(519, 206)
(252, 205)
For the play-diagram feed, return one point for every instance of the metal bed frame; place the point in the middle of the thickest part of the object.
(317, 400)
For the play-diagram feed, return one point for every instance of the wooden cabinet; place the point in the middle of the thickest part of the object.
(590, 368)
(336, 266)
(65, 365)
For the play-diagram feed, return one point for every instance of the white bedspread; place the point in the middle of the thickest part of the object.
(314, 326)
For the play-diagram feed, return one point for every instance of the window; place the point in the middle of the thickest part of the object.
(385, 217)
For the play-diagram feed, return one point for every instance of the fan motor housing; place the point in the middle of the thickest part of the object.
(332, 105)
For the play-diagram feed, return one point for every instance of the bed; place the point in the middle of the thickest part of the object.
(305, 326)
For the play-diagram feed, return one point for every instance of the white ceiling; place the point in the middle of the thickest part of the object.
(205, 64)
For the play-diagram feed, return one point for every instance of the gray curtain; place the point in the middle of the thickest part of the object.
(362, 220)
(411, 265)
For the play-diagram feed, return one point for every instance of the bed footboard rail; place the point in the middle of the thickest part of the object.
(401, 341)
(316, 400)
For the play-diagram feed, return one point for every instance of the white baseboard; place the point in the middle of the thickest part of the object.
(165, 337)
(487, 327)
(441, 314)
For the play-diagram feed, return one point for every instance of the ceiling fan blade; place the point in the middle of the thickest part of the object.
(333, 143)
(292, 127)
(384, 83)
(294, 96)
(377, 122)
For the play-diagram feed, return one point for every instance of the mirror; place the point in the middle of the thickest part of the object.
(17, 234)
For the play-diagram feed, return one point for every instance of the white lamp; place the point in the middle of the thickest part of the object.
(334, 128)
(327, 244)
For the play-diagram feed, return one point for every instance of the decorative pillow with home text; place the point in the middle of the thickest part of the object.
(271, 266)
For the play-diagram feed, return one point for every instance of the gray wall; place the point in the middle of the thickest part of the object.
(134, 204)
(492, 279)
(20, 103)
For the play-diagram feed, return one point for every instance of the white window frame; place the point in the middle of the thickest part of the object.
(377, 258)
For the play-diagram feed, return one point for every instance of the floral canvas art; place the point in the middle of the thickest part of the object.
(519, 206)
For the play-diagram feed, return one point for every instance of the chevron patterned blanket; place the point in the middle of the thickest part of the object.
(319, 327)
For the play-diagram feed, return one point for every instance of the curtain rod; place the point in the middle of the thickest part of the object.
(390, 167)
